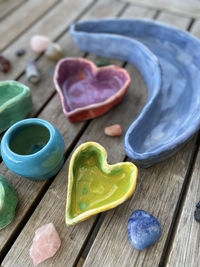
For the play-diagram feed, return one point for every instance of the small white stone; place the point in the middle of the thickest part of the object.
(39, 43)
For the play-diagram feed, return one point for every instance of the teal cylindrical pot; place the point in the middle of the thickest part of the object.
(33, 148)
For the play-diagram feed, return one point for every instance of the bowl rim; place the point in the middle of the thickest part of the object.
(25, 90)
(5, 143)
(95, 69)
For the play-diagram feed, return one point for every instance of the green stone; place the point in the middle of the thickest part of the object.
(15, 103)
(8, 202)
(101, 62)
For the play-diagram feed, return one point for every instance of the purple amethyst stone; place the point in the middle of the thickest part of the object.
(143, 229)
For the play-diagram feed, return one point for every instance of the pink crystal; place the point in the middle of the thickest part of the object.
(39, 43)
(46, 242)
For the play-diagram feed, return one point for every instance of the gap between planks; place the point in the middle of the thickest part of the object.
(13, 26)
(7, 7)
(180, 204)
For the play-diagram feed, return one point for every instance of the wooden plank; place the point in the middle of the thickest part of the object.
(73, 238)
(133, 11)
(184, 247)
(184, 250)
(22, 19)
(174, 20)
(157, 192)
(8, 6)
(54, 114)
(51, 25)
(182, 7)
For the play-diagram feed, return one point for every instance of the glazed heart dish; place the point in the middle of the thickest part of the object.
(95, 186)
(87, 91)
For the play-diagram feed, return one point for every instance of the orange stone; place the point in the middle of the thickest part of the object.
(113, 130)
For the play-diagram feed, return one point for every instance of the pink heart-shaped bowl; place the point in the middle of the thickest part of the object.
(87, 91)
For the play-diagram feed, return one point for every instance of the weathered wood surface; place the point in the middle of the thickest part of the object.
(189, 8)
(184, 248)
(23, 18)
(52, 25)
(116, 153)
(54, 114)
(8, 6)
(157, 191)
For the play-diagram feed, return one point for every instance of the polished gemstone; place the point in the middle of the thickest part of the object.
(143, 229)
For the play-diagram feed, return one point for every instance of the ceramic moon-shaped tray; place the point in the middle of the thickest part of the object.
(169, 60)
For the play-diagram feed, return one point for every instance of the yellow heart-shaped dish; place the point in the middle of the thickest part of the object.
(95, 186)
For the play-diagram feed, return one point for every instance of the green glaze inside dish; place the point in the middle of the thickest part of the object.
(96, 184)
(29, 140)
(8, 202)
(9, 91)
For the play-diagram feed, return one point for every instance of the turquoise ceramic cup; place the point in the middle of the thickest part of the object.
(33, 148)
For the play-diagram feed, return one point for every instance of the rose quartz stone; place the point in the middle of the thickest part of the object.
(46, 242)
(113, 130)
(39, 43)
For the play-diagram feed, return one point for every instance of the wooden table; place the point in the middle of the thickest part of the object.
(169, 190)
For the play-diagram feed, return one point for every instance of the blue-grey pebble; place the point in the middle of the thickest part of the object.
(20, 52)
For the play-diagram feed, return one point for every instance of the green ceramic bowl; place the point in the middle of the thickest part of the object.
(15, 103)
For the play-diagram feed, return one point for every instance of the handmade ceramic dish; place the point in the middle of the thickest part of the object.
(8, 202)
(168, 59)
(87, 91)
(93, 185)
(33, 148)
(15, 103)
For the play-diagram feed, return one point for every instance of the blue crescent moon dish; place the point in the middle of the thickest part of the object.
(169, 60)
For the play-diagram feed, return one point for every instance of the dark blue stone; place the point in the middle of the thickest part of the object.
(197, 215)
(20, 52)
(143, 229)
(198, 205)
